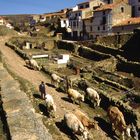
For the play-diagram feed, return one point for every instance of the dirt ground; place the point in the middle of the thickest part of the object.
(55, 125)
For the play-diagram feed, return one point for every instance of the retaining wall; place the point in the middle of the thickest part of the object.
(23, 121)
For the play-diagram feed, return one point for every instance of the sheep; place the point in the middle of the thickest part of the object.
(93, 96)
(51, 107)
(75, 95)
(32, 64)
(75, 125)
(117, 119)
(85, 120)
(55, 80)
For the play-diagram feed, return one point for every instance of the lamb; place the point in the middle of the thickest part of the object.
(85, 120)
(117, 119)
(75, 95)
(75, 125)
(32, 64)
(93, 96)
(51, 107)
(55, 80)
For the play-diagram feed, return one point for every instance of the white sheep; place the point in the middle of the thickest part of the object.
(32, 64)
(93, 96)
(75, 125)
(75, 95)
(55, 80)
(51, 107)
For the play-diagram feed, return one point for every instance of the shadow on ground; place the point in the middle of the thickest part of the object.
(106, 127)
(63, 128)
(37, 96)
(50, 85)
(43, 109)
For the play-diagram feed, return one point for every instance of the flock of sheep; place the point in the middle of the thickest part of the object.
(78, 121)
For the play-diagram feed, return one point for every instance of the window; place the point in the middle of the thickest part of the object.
(90, 28)
(87, 5)
(122, 28)
(98, 28)
(81, 7)
(138, 8)
(74, 23)
(104, 20)
(79, 14)
(64, 21)
(122, 9)
(90, 20)
(103, 12)
(108, 1)
(138, 0)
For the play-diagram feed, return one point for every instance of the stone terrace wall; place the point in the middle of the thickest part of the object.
(22, 120)
(114, 41)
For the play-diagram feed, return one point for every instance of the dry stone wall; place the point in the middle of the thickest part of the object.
(23, 121)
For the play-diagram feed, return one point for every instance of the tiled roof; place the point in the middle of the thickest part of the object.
(1, 17)
(129, 21)
(106, 7)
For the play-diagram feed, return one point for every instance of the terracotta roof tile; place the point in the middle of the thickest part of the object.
(106, 7)
(129, 21)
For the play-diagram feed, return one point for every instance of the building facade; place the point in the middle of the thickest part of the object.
(127, 26)
(106, 16)
(76, 17)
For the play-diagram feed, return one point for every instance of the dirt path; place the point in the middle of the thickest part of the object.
(16, 64)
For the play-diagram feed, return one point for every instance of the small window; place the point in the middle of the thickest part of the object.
(122, 28)
(90, 20)
(90, 28)
(138, 0)
(103, 12)
(81, 7)
(108, 1)
(87, 5)
(103, 27)
(138, 8)
(122, 9)
(98, 28)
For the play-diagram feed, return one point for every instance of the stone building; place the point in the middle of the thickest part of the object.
(2, 21)
(76, 17)
(108, 15)
(127, 26)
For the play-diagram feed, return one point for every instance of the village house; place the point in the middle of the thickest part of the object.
(2, 21)
(106, 16)
(36, 18)
(127, 26)
(60, 14)
(76, 17)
